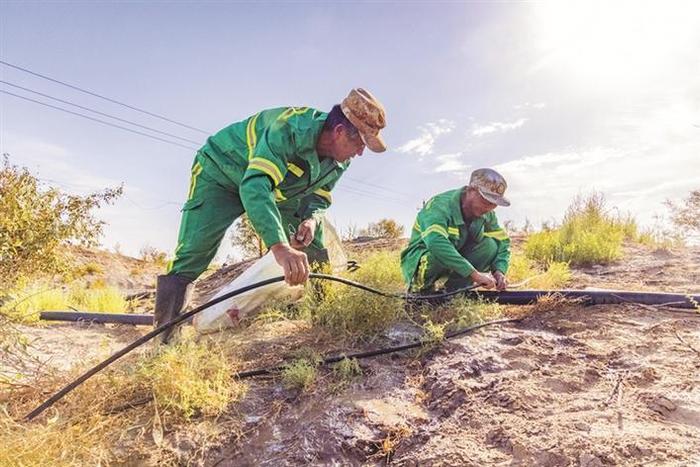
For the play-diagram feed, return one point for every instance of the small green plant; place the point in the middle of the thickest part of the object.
(433, 333)
(300, 374)
(347, 369)
(553, 275)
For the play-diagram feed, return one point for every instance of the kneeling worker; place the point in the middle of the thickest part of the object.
(456, 236)
(279, 167)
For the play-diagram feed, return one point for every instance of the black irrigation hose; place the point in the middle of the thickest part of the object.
(374, 353)
(185, 316)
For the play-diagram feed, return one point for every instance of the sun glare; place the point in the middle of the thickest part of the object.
(616, 40)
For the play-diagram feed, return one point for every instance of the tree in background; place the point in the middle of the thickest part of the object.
(36, 222)
(245, 238)
(385, 228)
(687, 214)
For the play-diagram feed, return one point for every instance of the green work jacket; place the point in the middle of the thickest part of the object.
(270, 158)
(441, 230)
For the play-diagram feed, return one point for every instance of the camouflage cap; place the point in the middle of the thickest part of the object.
(491, 185)
(367, 114)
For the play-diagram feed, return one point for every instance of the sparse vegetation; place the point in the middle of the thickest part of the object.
(191, 378)
(246, 239)
(384, 228)
(686, 215)
(153, 255)
(26, 305)
(532, 275)
(347, 369)
(300, 374)
(589, 234)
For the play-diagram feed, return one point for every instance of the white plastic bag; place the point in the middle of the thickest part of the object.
(230, 312)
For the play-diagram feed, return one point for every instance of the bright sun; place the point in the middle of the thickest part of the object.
(616, 40)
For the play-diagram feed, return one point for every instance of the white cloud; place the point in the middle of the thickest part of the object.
(530, 105)
(424, 143)
(451, 163)
(493, 127)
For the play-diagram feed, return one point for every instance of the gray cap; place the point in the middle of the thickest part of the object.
(491, 185)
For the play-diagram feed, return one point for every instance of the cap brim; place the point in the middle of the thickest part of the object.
(495, 199)
(374, 142)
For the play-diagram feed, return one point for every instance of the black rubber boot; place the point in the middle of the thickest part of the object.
(173, 293)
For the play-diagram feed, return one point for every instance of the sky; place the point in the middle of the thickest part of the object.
(562, 98)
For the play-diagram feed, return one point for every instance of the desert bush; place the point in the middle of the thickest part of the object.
(191, 378)
(384, 228)
(35, 222)
(589, 234)
(352, 312)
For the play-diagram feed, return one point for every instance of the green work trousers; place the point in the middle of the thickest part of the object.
(481, 255)
(211, 208)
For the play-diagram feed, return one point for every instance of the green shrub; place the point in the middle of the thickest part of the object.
(588, 235)
(36, 222)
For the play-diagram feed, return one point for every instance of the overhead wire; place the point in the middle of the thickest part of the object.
(100, 113)
(366, 189)
(98, 120)
(114, 101)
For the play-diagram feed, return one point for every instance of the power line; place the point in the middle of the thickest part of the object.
(99, 113)
(98, 120)
(114, 101)
(374, 185)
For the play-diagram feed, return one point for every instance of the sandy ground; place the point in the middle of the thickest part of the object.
(588, 386)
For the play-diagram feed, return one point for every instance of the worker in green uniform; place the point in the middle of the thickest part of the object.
(457, 237)
(279, 167)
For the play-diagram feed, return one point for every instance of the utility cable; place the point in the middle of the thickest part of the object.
(98, 120)
(100, 113)
(114, 101)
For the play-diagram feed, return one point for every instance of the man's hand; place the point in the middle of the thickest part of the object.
(294, 263)
(483, 280)
(305, 234)
(501, 282)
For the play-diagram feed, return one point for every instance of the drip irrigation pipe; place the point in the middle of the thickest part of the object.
(185, 316)
(510, 297)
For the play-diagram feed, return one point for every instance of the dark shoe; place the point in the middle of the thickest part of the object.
(173, 292)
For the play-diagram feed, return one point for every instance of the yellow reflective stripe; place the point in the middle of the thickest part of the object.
(169, 267)
(196, 170)
(416, 226)
(497, 235)
(250, 136)
(435, 228)
(453, 231)
(324, 194)
(292, 111)
(295, 169)
(279, 196)
(268, 167)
